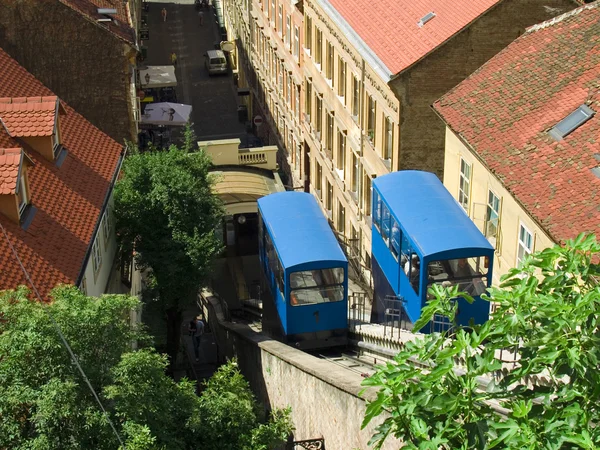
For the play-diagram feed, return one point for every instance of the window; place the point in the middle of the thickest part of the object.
(389, 139)
(273, 263)
(341, 151)
(492, 215)
(329, 137)
(570, 123)
(355, 97)
(297, 100)
(308, 100)
(410, 263)
(318, 179)
(341, 218)
(288, 90)
(272, 12)
(464, 185)
(83, 285)
(308, 33)
(525, 244)
(106, 224)
(329, 200)
(55, 141)
(280, 21)
(22, 194)
(385, 223)
(317, 286)
(96, 255)
(296, 43)
(319, 114)
(319, 46)
(395, 239)
(355, 173)
(371, 119)
(470, 274)
(341, 78)
(376, 210)
(329, 65)
(288, 32)
(368, 193)
(280, 72)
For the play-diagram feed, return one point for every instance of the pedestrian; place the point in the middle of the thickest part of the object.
(163, 13)
(173, 58)
(201, 17)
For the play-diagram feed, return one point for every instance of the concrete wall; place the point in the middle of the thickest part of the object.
(83, 64)
(422, 132)
(512, 214)
(323, 396)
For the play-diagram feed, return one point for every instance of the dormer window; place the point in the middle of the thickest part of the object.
(35, 122)
(14, 188)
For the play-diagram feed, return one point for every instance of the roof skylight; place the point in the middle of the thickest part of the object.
(426, 18)
(570, 123)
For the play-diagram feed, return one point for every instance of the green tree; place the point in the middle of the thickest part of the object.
(45, 404)
(453, 390)
(167, 212)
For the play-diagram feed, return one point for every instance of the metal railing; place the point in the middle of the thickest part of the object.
(395, 318)
(357, 311)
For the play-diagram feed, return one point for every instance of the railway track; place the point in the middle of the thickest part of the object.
(350, 362)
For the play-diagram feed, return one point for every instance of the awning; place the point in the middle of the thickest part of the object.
(158, 77)
(174, 114)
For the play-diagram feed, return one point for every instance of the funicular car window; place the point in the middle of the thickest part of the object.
(274, 263)
(377, 210)
(410, 263)
(385, 223)
(470, 274)
(395, 240)
(317, 286)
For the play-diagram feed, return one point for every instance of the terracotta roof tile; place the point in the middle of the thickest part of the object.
(505, 110)
(120, 26)
(69, 199)
(28, 116)
(390, 27)
(10, 162)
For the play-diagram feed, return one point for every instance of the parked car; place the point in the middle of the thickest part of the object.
(215, 62)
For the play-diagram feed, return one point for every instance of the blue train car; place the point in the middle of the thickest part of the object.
(306, 271)
(422, 236)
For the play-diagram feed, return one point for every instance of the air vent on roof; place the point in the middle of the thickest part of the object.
(597, 156)
(596, 171)
(570, 123)
(107, 11)
(425, 19)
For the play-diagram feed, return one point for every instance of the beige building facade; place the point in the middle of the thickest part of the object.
(508, 226)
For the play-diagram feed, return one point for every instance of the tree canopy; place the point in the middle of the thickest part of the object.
(45, 403)
(526, 379)
(167, 212)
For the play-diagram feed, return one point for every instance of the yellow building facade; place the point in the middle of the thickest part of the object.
(512, 231)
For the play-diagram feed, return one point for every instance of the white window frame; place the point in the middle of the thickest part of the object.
(288, 31)
(464, 180)
(23, 200)
(106, 224)
(96, 255)
(388, 145)
(523, 245)
(296, 43)
(280, 21)
(488, 221)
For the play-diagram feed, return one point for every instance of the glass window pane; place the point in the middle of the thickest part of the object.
(395, 241)
(317, 286)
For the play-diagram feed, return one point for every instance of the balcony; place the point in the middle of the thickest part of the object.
(226, 152)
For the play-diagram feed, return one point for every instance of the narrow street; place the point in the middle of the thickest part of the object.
(213, 99)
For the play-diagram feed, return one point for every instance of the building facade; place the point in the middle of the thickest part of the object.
(368, 75)
(86, 52)
(522, 149)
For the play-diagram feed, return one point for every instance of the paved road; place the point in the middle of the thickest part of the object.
(213, 99)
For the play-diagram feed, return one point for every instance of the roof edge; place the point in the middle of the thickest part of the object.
(356, 41)
(558, 19)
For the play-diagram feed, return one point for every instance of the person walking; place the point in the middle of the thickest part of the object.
(173, 58)
(201, 17)
(163, 13)
(199, 331)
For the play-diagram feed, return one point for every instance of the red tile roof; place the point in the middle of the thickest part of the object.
(505, 109)
(120, 27)
(10, 162)
(69, 199)
(390, 27)
(28, 116)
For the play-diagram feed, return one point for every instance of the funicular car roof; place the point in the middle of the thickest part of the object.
(430, 215)
(300, 230)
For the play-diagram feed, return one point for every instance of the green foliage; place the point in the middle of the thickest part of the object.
(448, 391)
(228, 415)
(45, 404)
(166, 210)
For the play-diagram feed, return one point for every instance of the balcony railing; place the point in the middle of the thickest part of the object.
(226, 152)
